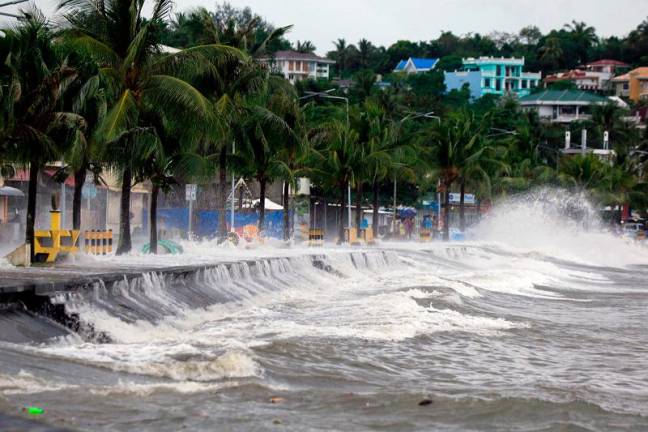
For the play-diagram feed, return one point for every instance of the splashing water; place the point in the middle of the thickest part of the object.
(558, 224)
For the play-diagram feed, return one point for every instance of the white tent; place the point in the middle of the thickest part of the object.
(10, 192)
(269, 205)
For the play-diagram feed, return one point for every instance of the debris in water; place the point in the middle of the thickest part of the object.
(32, 410)
(426, 402)
(277, 399)
(276, 421)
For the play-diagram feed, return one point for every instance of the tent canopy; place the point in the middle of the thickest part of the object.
(269, 205)
(9, 191)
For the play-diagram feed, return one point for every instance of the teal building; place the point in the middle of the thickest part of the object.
(499, 75)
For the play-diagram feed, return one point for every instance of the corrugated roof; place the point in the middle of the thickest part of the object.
(563, 96)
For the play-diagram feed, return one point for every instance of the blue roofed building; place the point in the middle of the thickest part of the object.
(416, 65)
(499, 76)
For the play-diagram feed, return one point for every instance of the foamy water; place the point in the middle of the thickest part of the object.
(534, 324)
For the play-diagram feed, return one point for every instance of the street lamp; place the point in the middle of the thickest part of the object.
(327, 95)
(413, 116)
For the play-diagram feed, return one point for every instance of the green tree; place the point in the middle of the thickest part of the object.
(38, 77)
(145, 85)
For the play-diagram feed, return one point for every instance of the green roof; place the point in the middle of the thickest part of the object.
(563, 96)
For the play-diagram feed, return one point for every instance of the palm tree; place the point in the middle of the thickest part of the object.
(552, 51)
(365, 50)
(333, 159)
(305, 47)
(144, 83)
(229, 87)
(38, 77)
(455, 146)
(262, 132)
(341, 55)
(584, 37)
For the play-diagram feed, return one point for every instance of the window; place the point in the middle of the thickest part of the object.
(525, 84)
(532, 84)
(626, 86)
(487, 82)
(291, 65)
(498, 85)
(498, 70)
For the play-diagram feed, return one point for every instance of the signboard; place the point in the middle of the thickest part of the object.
(455, 198)
(606, 140)
(191, 191)
(567, 139)
(89, 191)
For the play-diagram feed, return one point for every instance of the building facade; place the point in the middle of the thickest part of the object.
(499, 75)
(296, 66)
(562, 106)
(471, 79)
(633, 85)
(416, 65)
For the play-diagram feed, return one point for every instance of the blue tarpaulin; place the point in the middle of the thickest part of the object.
(206, 222)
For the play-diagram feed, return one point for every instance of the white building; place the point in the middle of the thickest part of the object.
(296, 66)
(563, 106)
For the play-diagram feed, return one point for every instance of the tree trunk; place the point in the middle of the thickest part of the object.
(222, 193)
(31, 206)
(79, 181)
(153, 219)
(342, 211)
(358, 205)
(125, 245)
(286, 211)
(462, 207)
(374, 221)
(446, 214)
(262, 196)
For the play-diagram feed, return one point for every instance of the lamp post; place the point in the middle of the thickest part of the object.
(233, 190)
(413, 116)
(326, 95)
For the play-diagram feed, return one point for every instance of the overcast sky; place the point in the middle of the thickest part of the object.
(386, 21)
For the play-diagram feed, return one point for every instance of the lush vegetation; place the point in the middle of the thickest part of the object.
(102, 93)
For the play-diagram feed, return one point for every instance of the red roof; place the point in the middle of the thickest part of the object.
(294, 55)
(608, 62)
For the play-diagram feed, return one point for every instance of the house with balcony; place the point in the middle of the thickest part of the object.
(633, 85)
(613, 67)
(416, 65)
(563, 106)
(499, 75)
(296, 66)
(582, 79)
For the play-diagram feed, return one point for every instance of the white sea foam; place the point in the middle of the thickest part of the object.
(559, 224)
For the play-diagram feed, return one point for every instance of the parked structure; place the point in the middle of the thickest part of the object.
(296, 66)
(499, 75)
(633, 85)
(562, 106)
(416, 65)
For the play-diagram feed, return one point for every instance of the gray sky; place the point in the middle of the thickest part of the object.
(386, 21)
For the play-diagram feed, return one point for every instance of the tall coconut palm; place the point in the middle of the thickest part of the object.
(262, 132)
(38, 77)
(551, 51)
(334, 156)
(231, 84)
(144, 83)
(584, 37)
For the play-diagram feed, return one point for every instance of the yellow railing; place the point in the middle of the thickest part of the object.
(98, 242)
(316, 237)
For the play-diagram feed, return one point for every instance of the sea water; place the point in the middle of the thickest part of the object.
(538, 323)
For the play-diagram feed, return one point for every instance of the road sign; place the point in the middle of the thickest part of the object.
(89, 191)
(191, 192)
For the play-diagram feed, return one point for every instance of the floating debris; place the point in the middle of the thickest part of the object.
(32, 410)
